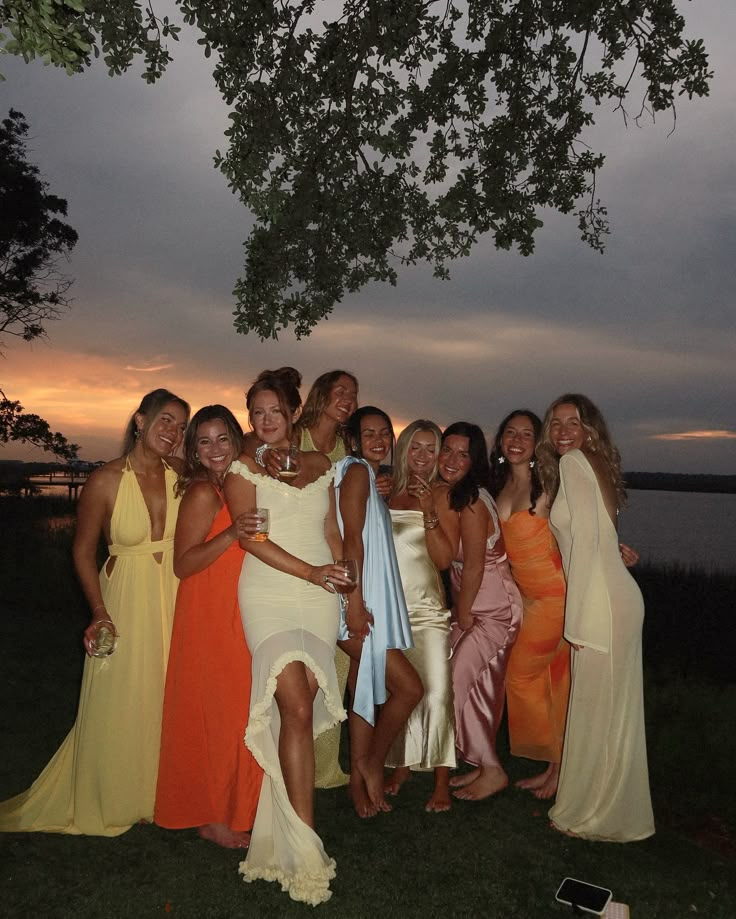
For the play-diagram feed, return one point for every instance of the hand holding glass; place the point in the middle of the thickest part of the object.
(104, 639)
(289, 462)
(350, 567)
(261, 534)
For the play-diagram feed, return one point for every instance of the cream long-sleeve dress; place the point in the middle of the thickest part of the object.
(604, 782)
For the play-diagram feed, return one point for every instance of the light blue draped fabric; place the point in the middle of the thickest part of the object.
(382, 593)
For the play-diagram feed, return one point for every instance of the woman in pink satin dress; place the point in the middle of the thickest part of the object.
(487, 611)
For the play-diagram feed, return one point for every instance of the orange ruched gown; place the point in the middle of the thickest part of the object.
(538, 675)
(206, 773)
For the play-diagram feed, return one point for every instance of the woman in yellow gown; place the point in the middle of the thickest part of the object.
(102, 779)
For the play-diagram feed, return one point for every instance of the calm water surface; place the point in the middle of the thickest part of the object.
(684, 527)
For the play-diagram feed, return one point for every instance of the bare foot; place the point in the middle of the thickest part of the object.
(223, 836)
(491, 780)
(359, 796)
(549, 788)
(439, 802)
(372, 774)
(536, 781)
(393, 782)
(458, 781)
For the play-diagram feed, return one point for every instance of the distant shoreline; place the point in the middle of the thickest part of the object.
(677, 481)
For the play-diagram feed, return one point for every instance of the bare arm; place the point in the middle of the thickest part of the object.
(433, 500)
(354, 493)
(474, 535)
(93, 519)
(332, 530)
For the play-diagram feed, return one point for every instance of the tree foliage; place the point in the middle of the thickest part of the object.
(32, 240)
(367, 134)
(17, 425)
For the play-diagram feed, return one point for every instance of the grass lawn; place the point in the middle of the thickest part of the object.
(497, 858)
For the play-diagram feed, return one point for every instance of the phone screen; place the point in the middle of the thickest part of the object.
(585, 896)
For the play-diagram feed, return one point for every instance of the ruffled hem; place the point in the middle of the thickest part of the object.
(303, 886)
(257, 479)
(259, 719)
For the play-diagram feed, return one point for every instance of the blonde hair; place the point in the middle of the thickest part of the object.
(599, 442)
(401, 457)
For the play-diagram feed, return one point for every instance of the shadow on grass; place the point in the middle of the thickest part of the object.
(498, 858)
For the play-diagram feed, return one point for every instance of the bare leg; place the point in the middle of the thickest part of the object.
(360, 738)
(440, 800)
(392, 785)
(296, 688)
(490, 780)
(223, 836)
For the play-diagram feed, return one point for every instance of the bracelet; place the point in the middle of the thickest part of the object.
(430, 523)
(259, 454)
(101, 606)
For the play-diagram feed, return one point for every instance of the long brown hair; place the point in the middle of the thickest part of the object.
(319, 396)
(599, 442)
(193, 468)
(285, 383)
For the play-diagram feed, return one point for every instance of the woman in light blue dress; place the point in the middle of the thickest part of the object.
(374, 628)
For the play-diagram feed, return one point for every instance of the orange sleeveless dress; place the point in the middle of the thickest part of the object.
(206, 773)
(538, 675)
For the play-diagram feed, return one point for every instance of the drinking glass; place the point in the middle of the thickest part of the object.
(261, 534)
(104, 641)
(289, 462)
(350, 567)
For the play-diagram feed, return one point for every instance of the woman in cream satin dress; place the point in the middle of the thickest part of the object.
(603, 791)
(290, 618)
(423, 548)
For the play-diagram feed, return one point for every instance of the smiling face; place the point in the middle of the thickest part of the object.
(165, 432)
(268, 420)
(566, 431)
(342, 400)
(454, 460)
(214, 447)
(421, 456)
(375, 439)
(517, 440)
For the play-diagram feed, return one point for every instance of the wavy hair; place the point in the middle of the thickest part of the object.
(319, 396)
(285, 382)
(352, 429)
(500, 468)
(598, 442)
(151, 405)
(401, 457)
(466, 491)
(193, 468)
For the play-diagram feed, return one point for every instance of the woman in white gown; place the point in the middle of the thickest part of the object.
(603, 791)
(290, 618)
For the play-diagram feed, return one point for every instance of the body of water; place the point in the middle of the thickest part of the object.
(690, 528)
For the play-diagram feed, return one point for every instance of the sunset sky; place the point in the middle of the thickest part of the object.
(646, 330)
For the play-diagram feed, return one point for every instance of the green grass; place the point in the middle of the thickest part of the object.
(494, 859)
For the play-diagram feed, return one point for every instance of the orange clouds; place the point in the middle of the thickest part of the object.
(696, 435)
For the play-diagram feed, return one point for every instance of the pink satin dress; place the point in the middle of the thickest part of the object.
(480, 656)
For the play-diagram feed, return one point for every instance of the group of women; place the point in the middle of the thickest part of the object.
(349, 583)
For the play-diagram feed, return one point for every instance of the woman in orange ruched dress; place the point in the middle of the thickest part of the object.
(538, 675)
(207, 776)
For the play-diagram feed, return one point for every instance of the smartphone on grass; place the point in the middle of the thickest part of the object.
(587, 897)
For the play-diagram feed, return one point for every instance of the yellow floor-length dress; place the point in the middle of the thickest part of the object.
(102, 779)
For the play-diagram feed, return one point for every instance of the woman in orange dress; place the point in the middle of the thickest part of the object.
(207, 777)
(538, 675)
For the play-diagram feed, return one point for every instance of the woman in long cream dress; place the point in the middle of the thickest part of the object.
(487, 611)
(207, 777)
(290, 617)
(102, 779)
(603, 791)
(538, 674)
(423, 549)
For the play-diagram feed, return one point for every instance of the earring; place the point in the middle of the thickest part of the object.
(137, 433)
(501, 460)
(532, 464)
(196, 456)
